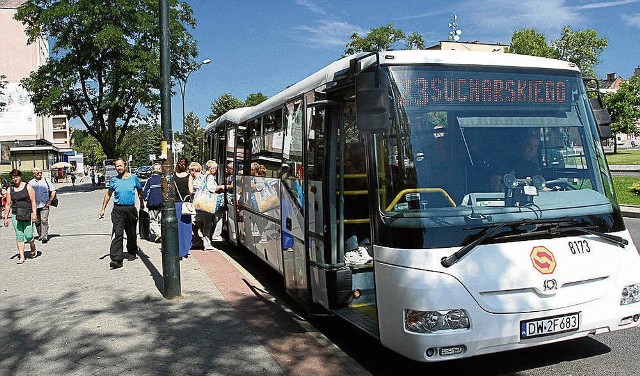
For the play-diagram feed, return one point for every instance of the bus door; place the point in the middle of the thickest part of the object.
(293, 203)
(226, 157)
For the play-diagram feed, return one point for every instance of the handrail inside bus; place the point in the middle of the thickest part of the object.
(419, 190)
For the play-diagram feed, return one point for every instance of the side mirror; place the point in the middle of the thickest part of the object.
(372, 102)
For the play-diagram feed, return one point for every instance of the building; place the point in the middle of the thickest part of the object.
(468, 46)
(26, 139)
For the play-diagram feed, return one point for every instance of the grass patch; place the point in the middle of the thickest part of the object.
(628, 157)
(622, 186)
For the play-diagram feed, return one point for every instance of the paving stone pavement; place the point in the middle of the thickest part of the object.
(66, 313)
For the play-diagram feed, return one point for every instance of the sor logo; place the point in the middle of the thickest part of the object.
(543, 260)
(550, 284)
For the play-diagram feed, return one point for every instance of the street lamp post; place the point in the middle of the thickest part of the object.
(183, 90)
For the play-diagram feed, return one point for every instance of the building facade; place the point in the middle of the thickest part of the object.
(26, 139)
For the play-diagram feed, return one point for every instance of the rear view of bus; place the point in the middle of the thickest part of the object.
(495, 223)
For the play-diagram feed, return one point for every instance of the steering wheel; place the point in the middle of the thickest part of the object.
(559, 185)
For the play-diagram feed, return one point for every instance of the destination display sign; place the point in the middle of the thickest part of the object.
(424, 88)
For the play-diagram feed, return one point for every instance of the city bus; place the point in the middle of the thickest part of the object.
(448, 203)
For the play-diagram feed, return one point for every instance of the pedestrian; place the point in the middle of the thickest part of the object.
(73, 177)
(184, 186)
(21, 200)
(124, 215)
(197, 178)
(45, 193)
(152, 193)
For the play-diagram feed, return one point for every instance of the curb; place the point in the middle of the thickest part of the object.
(630, 211)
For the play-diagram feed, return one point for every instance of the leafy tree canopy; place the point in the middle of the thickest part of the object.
(582, 47)
(255, 99)
(224, 103)
(194, 138)
(105, 66)
(530, 42)
(382, 38)
(624, 106)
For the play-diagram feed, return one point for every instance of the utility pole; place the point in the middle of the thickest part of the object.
(170, 262)
(183, 91)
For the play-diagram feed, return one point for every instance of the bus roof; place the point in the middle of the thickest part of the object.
(402, 57)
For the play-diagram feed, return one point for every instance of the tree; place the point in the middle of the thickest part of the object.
(582, 47)
(530, 42)
(415, 41)
(224, 103)
(194, 137)
(89, 147)
(378, 39)
(255, 99)
(105, 64)
(624, 106)
(3, 85)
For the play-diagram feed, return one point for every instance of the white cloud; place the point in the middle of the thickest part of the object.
(315, 8)
(605, 4)
(328, 33)
(632, 20)
(504, 16)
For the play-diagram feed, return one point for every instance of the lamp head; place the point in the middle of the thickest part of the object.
(206, 61)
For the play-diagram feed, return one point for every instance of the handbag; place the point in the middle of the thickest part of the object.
(187, 206)
(188, 209)
(207, 201)
(54, 202)
(23, 214)
(265, 196)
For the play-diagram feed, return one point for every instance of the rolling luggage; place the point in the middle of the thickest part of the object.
(143, 224)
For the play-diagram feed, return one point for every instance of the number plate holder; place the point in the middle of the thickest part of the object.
(547, 326)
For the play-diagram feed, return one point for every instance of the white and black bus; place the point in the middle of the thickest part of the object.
(449, 203)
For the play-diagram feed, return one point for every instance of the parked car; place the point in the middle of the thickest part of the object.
(143, 172)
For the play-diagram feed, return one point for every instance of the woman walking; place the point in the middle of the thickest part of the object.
(195, 170)
(184, 187)
(21, 200)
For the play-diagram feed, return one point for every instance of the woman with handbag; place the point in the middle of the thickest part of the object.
(197, 177)
(184, 187)
(212, 221)
(21, 200)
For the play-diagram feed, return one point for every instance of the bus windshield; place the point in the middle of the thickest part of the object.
(472, 146)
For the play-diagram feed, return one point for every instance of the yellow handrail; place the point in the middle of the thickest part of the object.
(419, 190)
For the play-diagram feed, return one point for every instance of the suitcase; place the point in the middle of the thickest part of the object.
(143, 224)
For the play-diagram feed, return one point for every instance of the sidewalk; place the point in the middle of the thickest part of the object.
(66, 313)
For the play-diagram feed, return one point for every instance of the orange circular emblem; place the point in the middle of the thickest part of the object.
(543, 260)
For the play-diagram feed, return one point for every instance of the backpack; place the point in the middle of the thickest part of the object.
(153, 192)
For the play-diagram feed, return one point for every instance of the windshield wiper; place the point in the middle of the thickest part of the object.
(457, 255)
(555, 229)
(615, 239)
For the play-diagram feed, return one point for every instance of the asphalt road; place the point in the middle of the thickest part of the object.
(606, 354)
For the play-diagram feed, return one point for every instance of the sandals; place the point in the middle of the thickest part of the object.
(20, 261)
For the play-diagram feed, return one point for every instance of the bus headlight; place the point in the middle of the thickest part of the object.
(433, 321)
(630, 294)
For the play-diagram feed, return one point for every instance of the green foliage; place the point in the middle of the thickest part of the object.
(105, 66)
(141, 141)
(624, 188)
(624, 106)
(378, 39)
(224, 103)
(415, 41)
(194, 139)
(624, 157)
(582, 47)
(255, 99)
(530, 42)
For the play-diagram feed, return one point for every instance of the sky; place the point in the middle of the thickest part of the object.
(266, 45)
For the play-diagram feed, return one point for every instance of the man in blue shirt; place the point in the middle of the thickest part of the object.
(124, 215)
(45, 192)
